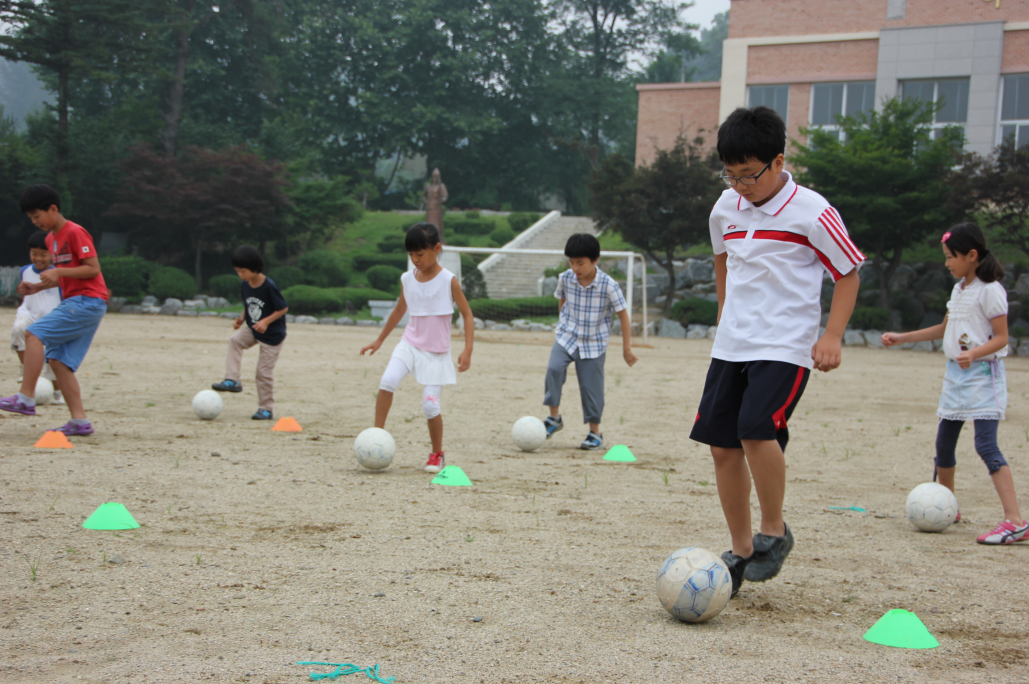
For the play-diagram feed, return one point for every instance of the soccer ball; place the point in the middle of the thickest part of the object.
(375, 448)
(931, 507)
(693, 585)
(207, 404)
(44, 391)
(529, 433)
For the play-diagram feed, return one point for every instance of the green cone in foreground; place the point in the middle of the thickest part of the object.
(901, 629)
(619, 452)
(111, 516)
(452, 476)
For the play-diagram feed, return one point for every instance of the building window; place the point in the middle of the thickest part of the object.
(829, 101)
(951, 94)
(1014, 109)
(777, 97)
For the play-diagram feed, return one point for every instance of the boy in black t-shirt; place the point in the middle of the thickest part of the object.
(263, 311)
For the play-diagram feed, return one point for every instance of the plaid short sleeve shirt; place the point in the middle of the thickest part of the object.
(585, 322)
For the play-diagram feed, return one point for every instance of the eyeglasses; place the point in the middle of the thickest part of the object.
(746, 180)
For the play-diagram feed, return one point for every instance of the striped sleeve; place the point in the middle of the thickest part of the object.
(829, 237)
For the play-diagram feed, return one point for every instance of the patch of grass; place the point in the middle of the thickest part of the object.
(198, 559)
(896, 432)
(149, 404)
(702, 483)
(33, 565)
(664, 475)
(469, 538)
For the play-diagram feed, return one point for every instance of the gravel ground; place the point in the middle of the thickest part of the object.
(259, 549)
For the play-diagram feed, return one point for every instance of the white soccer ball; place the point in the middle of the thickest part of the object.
(931, 507)
(44, 391)
(693, 585)
(207, 404)
(529, 433)
(375, 448)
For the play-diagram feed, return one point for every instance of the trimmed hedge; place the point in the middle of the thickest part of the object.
(362, 262)
(287, 276)
(308, 300)
(519, 221)
(324, 269)
(472, 282)
(384, 277)
(870, 318)
(469, 227)
(126, 276)
(502, 236)
(168, 281)
(695, 310)
(511, 309)
(226, 286)
(392, 244)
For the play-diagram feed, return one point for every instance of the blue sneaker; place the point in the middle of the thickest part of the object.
(262, 414)
(592, 441)
(228, 386)
(553, 425)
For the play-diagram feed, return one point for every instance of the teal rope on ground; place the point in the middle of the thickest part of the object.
(372, 672)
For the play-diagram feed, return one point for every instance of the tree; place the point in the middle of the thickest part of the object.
(998, 186)
(206, 197)
(659, 208)
(888, 177)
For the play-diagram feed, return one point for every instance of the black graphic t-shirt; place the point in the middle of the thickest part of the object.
(263, 301)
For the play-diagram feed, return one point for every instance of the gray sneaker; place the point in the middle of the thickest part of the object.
(769, 555)
(553, 424)
(737, 565)
(592, 441)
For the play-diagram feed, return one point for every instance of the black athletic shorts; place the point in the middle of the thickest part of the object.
(748, 400)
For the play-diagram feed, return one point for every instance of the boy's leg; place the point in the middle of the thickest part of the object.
(70, 388)
(590, 373)
(732, 479)
(768, 468)
(34, 359)
(266, 361)
(557, 368)
(241, 340)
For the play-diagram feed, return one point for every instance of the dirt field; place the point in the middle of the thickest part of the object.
(259, 549)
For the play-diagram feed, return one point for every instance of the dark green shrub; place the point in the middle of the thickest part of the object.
(384, 277)
(870, 318)
(227, 286)
(392, 244)
(695, 311)
(511, 309)
(458, 241)
(359, 296)
(287, 276)
(502, 236)
(168, 281)
(468, 227)
(324, 269)
(126, 276)
(472, 282)
(362, 262)
(519, 221)
(472, 215)
(556, 271)
(308, 300)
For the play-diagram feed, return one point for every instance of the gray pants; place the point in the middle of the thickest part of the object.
(590, 373)
(244, 339)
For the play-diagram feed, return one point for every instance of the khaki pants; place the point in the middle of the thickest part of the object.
(244, 339)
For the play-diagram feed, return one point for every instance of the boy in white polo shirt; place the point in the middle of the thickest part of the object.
(772, 240)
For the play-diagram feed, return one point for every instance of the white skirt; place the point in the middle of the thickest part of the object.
(979, 392)
(427, 368)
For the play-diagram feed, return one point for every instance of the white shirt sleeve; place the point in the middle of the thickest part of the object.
(717, 241)
(994, 301)
(837, 252)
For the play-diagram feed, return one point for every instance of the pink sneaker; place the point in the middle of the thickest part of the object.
(957, 518)
(435, 463)
(1005, 533)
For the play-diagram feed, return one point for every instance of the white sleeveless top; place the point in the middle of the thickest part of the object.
(433, 298)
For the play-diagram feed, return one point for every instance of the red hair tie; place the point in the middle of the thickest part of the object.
(946, 236)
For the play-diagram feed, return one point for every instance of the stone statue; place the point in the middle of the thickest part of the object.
(433, 197)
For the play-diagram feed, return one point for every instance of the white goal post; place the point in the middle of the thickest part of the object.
(630, 258)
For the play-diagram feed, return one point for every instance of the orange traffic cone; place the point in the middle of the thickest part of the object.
(53, 440)
(287, 425)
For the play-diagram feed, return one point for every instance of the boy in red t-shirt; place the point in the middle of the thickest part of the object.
(67, 331)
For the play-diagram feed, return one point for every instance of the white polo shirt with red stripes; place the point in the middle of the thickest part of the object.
(777, 254)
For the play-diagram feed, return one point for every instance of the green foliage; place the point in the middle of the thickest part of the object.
(469, 227)
(472, 214)
(319, 204)
(287, 276)
(556, 271)
(911, 311)
(392, 244)
(227, 285)
(459, 241)
(472, 282)
(362, 262)
(324, 269)
(511, 309)
(168, 281)
(383, 277)
(519, 221)
(870, 318)
(998, 187)
(695, 310)
(308, 300)
(126, 276)
(501, 236)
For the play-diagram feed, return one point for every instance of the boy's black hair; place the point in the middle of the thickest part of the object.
(962, 239)
(582, 245)
(421, 236)
(758, 133)
(247, 256)
(40, 197)
(37, 240)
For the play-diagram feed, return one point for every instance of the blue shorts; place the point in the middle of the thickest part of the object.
(68, 330)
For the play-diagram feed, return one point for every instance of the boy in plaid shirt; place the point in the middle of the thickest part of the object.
(588, 298)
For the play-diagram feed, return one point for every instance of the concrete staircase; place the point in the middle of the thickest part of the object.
(517, 275)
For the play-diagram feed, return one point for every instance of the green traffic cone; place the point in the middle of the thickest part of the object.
(901, 629)
(452, 476)
(621, 453)
(111, 516)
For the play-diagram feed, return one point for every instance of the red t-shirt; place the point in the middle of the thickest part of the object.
(68, 247)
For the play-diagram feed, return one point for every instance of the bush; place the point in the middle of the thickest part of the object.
(168, 281)
(126, 276)
(359, 296)
(307, 300)
(324, 269)
(472, 282)
(468, 227)
(557, 271)
(474, 215)
(226, 286)
(695, 311)
(362, 262)
(287, 276)
(392, 244)
(519, 221)
(502, 236)
(459, 241)
(510, 309)
(870, 318)
(384, 277)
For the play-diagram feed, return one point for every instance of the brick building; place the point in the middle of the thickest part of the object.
(811, 61)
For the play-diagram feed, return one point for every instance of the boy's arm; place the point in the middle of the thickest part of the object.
(721, 270)
(464, 361)
(627, 354)
(262, 325)
(90, 268)
(828, 350)
(394, 318)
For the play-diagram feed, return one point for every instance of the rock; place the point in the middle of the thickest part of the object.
(703, 289)
(194, 304)
(490, 324)
(902, 277)
(131, 309)
(149, 300)
(1022, 285)
(930, 319)
(289, 317)
(116, 559)
(712, 330)
(478, 323)
(658, 280)
(217, 302)
(520, 324)
(171, 306)
(1023, 348)
(501, 326)
(696, 331)
(327, 321)
(853, 338)
(154, 310)
(230, 314)
(1015, 310)
(208, 314)
(701, 270)
(873, 338)
(669, 328)
(539, 327)
(303, 320)
(937, 345)
(367, 324)
(549, 286)
(239, 596)
(187, 312)
(925, 346)
(344, 320)
(115, 304)
(932, 281)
